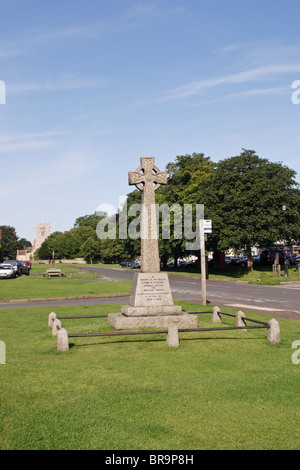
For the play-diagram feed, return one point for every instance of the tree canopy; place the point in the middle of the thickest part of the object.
(243, 195)
(9, 241)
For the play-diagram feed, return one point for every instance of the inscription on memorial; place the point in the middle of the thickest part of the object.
(151, 289)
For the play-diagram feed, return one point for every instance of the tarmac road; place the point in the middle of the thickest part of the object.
(280, 301)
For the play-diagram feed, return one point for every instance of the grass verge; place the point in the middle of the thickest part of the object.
(218, 390)
(74, 284)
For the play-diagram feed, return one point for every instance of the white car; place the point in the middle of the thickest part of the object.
(6, 271)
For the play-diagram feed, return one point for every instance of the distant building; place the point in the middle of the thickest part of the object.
(42, 232)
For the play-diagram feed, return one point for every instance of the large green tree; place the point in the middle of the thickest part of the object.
(9, 241)
(185, 180)
(244, 196)
(90, 249)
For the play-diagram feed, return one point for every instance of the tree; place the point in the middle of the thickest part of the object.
(185, 180)
(9, 241)
(244, 197)
(90, 220)
(69, 244)
(90, 249)
(23, 244)
(55, 242)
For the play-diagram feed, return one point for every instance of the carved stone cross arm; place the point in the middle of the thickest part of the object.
(147, 175)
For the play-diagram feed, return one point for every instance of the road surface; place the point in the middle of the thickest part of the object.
(281, 300)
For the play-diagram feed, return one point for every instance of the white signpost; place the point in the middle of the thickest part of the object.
(205, 227)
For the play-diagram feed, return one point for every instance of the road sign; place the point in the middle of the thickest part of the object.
(207, 227)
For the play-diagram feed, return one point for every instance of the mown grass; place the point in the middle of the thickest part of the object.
(74, 284)
(218, 390)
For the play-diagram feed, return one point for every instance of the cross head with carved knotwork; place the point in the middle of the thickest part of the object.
(147, 178)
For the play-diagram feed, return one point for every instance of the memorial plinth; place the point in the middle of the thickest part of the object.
(151, 305)
(151, 302)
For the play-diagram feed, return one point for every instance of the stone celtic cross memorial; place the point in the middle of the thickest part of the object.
(151, 303)
(147, 178)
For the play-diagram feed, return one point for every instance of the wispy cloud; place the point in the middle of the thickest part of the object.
(65, 83)
(252, 75)
(148, 10)
(246, 93)
(30, 141)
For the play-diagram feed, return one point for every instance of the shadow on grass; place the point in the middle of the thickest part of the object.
(156, 340)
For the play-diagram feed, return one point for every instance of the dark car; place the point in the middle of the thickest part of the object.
(28, 263)
(126, 264)
(238, 261)
(295, 260)
(18, 266)
(136, 266)
(268, 257)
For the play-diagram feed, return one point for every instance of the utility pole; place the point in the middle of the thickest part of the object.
(284, 209)
(204, 227)
(286, 262)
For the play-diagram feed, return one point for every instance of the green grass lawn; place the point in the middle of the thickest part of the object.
(75, 283)
(218, 390)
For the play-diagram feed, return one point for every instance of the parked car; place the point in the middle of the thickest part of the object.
(18, 266)
(295, 260)
(136, 266)
(191, 264)
(238, 260)
(126, 264)
(7, 271)
(180, 262)
(256, 259)
(268, 257)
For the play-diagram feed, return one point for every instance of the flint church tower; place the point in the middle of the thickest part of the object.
(42, 231)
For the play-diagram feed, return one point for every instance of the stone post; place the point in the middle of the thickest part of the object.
(239, 321)
(56, 327)
(216, 317)
(51, 318)
(273, 332)
(172, 336)
(62, 340)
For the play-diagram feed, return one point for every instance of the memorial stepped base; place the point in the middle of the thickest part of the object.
(122, 322)
(151, 306)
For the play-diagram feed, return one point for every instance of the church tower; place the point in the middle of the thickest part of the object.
(42, 231)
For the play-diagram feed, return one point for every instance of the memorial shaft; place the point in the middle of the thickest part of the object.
(147, 179)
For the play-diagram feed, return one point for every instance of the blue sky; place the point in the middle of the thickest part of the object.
(93, 85)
